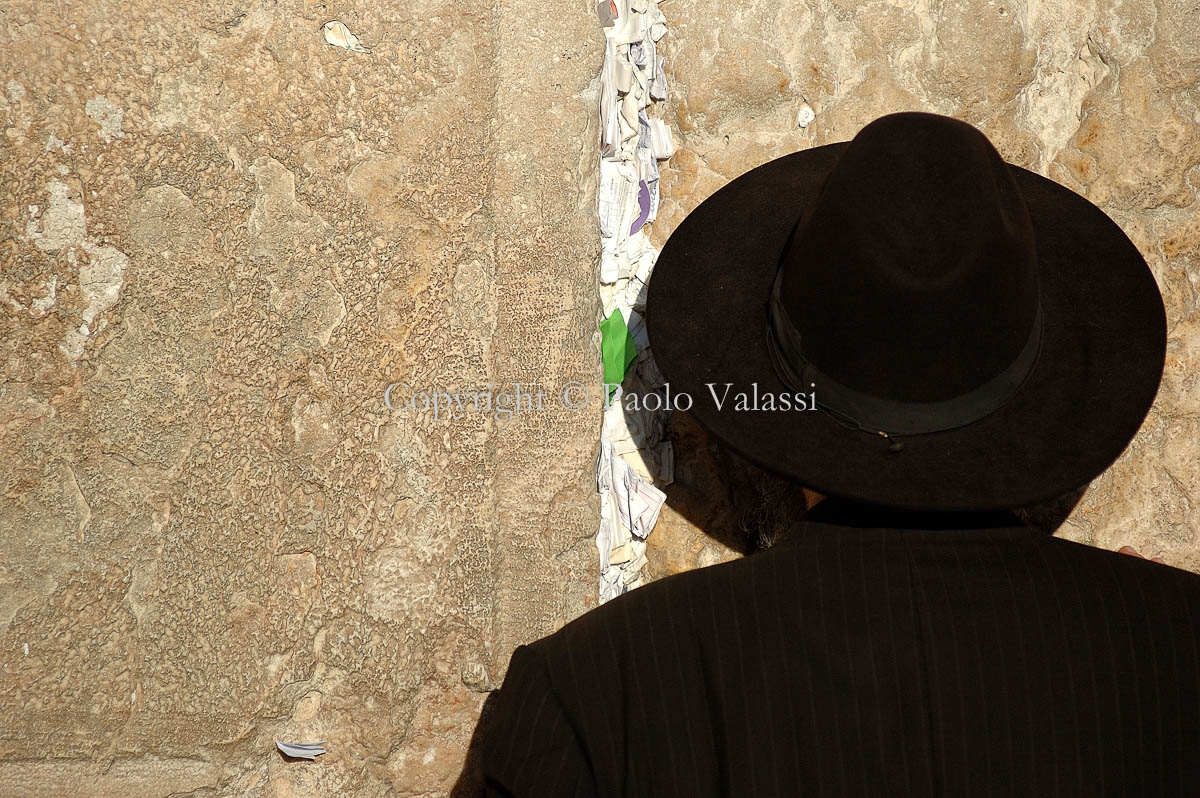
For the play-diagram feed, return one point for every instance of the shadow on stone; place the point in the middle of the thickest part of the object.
(725, 496)
(470, 781)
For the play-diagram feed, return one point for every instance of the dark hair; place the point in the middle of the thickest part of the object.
(769, 507)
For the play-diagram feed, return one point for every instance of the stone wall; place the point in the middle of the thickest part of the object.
(222, 238)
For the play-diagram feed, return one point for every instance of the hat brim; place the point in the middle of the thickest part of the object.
(1101, 359)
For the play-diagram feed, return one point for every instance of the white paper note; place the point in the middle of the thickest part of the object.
(662, 142)
(301, 750)
(338, 35)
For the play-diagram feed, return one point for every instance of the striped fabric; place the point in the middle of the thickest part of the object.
(862, 661)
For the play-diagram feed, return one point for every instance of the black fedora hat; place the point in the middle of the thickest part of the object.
(975, 336)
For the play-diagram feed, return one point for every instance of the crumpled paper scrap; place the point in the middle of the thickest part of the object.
(301, 750)
(338, 35)
(634, 504)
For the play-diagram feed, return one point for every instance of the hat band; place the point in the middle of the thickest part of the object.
(873, 414)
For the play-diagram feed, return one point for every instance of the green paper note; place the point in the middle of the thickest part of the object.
(617, 350)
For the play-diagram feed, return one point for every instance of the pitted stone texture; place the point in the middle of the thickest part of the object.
(1100, 97)
(215, 533)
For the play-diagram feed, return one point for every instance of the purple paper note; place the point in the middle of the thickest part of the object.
(643, 205)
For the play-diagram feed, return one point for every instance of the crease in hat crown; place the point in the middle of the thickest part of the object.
(908, 288)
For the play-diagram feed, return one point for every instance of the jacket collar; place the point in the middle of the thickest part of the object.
(844, 520)
(835, 511)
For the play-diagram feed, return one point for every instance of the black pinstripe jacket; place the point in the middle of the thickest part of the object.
(867, 661)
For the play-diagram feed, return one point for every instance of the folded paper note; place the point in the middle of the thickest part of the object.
(643, 207)
(301, 750)
(617, 350)
(660, 136)
(658, 84)
(338, 35)
(630, 505)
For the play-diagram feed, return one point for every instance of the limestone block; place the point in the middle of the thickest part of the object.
(222, 240)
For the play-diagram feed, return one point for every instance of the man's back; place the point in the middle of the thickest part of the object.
(864, 661)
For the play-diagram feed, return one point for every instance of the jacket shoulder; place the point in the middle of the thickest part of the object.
(1127, 566)
(672, 590)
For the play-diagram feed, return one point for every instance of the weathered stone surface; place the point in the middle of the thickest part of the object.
(222, 239)
(215, 534)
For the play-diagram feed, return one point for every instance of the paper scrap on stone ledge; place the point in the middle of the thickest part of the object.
(805, 116)
(337, 34)
(635, 503)
(661, 142)
(301, 750)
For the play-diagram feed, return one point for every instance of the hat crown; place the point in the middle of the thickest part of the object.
(912, 276)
